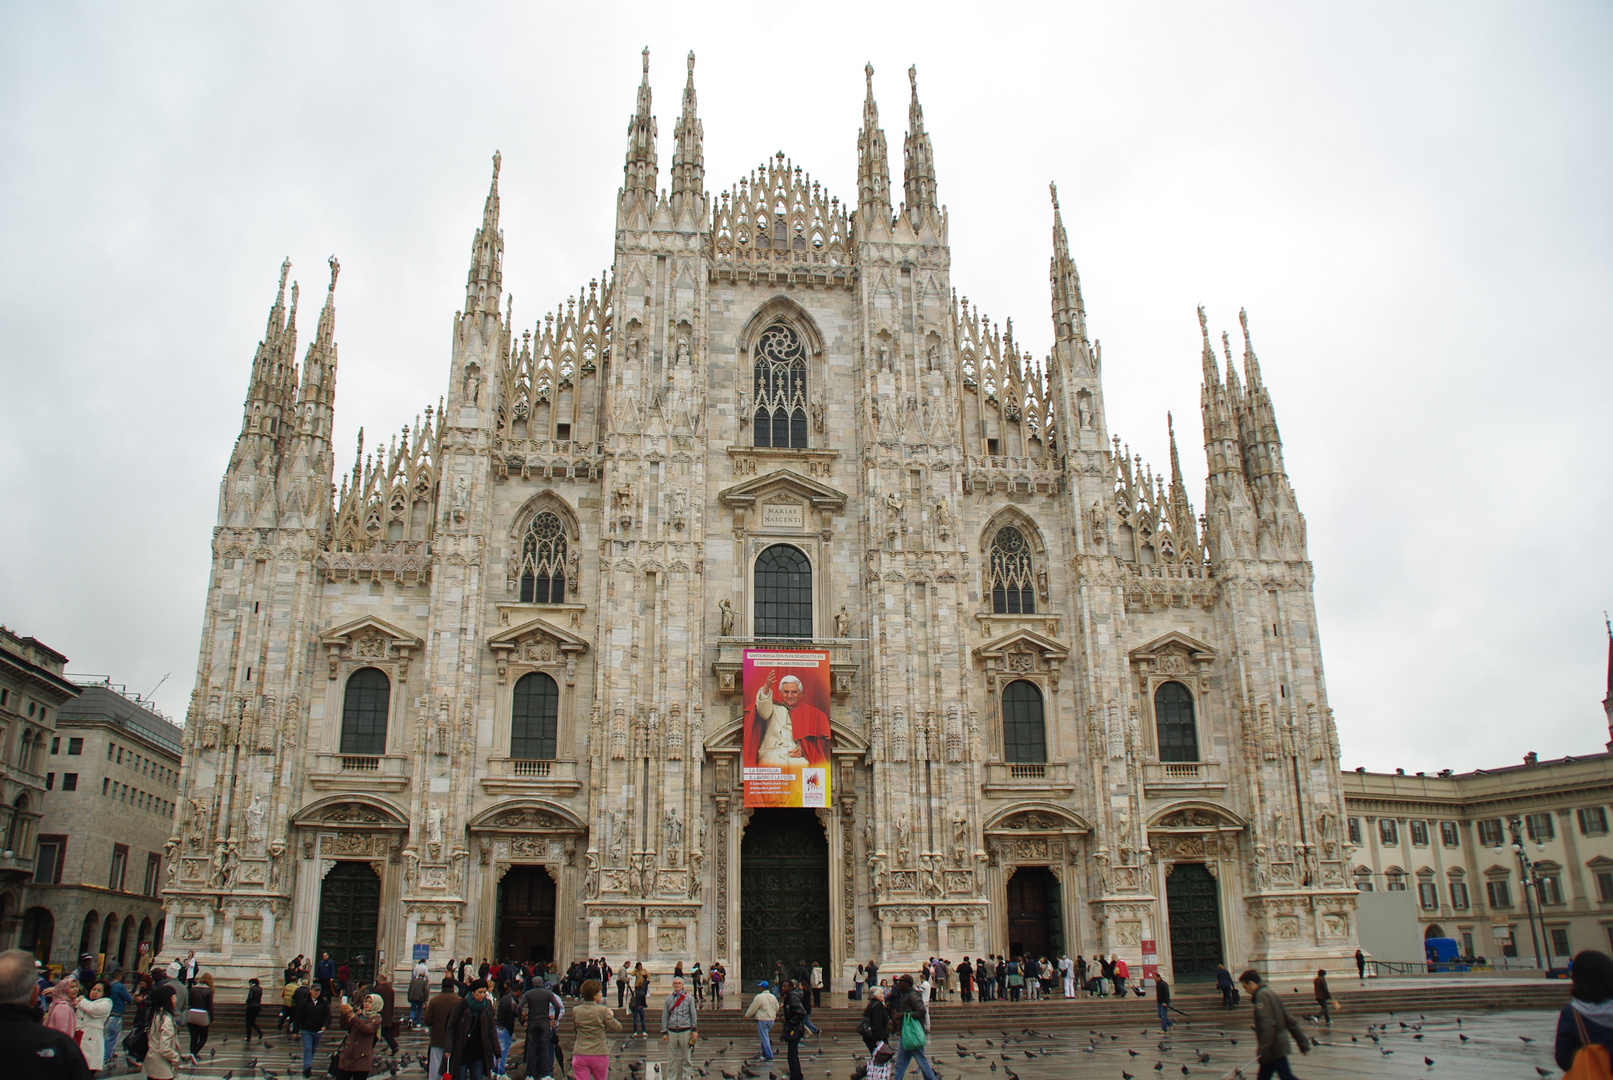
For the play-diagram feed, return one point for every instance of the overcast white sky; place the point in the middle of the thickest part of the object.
(1411, 200)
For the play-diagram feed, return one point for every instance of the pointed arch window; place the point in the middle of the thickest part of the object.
(783, 593)
(364, 712)
(543, 561)
(1012, 575)
(1024, 729)
(534, 719)
(1174, 723)
(781, 389)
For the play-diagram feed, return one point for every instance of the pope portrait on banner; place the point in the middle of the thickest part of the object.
(785, 731)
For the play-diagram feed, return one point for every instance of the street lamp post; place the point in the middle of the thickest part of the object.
(1515, 827)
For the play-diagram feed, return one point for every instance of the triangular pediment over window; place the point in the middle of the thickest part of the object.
(1019, 642)
(369, 640)
(540, 643)
(534, 629)
(751, 492)
(1173, 651)
(369, 627)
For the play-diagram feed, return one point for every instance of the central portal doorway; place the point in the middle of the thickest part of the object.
(1192, 900)
(526, 915)
(349, 911)
(783, 893)
(1035, 923)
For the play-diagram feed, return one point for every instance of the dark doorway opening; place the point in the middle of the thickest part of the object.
(38, 932)
(1193, 901)
(526, 915)
(783, 893)
(349, 912)
(1035, 922)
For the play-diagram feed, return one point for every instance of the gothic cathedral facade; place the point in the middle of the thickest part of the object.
(480, 695)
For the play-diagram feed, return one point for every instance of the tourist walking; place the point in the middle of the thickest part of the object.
(419, 991)
(199, 1017)
(356, 1057)
(1323, 995)
(30, 1050)
(795, 1021)
(389, 1010)
(718, 976)
(1223, 983)
(592, 1020)
(1162, 995)
(1587, 1020)
(162, 1035)
(697, 983)
(621, 986)
(1122, 973)
(509, 1012)
(121, 999)
(92, 1011)
(541, 1007)
(680, 1030)
(438, 1011)
(472, 1040)
(764, 1010)
(1016, 979)
(966, 976)
(857, 982)
(1361, 965)
(1273, 1028)
(325, 974)
(1067, 970)
(254, 1009)
(312, 1018)
(639, 1003)
(910, 1023)
(817, 984)
(875, 1027)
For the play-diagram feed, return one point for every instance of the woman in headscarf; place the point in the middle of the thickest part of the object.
(62, 1013)
(92, 1011)
(162, 1035)
(357, 1055)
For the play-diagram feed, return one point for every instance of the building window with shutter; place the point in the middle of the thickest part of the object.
(1394, 881)
(1448, 834)
(1551, 889)
(1539, 828)
(1490, 832)
(1459, 895)
(1427, 895)
(1559, 941)
(1419, 833)
(1354, 825)
(1592, 821)
(1388, 832)
(1498, 893)
(120, 867)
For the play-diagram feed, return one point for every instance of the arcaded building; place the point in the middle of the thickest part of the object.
(481, 691)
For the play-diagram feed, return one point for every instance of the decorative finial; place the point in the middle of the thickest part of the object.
(646, 60)
(868, 71)
(498, 159)
(1054, 188)
(691, 63)
(285, 270)
(913, 79)
(1243, 319)
(335, 268)
(1204, 326)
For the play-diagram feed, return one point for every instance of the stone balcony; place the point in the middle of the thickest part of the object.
(730, 660)
(1170, 778)
(531, 776)
(1017, 779)
(361, 772)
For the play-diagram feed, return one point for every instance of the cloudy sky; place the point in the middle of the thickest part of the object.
(1412, 201)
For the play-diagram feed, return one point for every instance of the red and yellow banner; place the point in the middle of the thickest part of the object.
(786, 749)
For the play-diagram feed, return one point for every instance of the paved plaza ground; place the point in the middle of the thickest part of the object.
(1494, 1048)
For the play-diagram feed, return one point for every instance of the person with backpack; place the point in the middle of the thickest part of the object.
(910, 1022)
(680, 1030)
(1585, 1026)
(1273, 1026)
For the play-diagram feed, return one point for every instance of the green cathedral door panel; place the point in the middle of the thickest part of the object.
(783, 893)
(1195, 913)
(349, 912)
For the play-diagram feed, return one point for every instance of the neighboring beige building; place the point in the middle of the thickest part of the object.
(112, 778)
(481, 696)
(32, 690)
(1436, 836)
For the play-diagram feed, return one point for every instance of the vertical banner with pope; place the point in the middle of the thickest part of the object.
(786, 750)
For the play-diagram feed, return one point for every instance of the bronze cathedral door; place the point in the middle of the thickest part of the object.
(783, 893)
(349, 910)
(1195, 914)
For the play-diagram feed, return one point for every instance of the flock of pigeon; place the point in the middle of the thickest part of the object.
(1221, 1050)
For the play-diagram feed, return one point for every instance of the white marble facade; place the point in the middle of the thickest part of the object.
(969, 523)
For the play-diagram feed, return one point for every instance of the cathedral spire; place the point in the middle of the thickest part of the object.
(1069, 312)
(1263, 444)
(873, 167)
(639, 173)
(688, 157)
(272, 383)
(485, 282)
(918, 158)
(319, 365)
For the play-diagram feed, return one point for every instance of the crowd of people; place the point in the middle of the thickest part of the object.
(1003, 978)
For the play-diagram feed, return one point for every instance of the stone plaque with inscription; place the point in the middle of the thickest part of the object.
(784, 516)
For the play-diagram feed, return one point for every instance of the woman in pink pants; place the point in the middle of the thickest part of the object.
(590, 1054)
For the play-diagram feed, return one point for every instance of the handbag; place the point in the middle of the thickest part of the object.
(914, 1037)
(198, 1018)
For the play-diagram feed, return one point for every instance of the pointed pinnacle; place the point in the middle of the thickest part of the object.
(868, 71)
(1053, 187)
(285, 271)
(335, 268)
(498, 159)
(646, 61)
(1204, 327)
(691, 66)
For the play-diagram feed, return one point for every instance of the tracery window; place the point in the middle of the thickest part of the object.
(1173, 723)
(1013, 588)
(364, 711)
(781, 389)
(543, 561)
(534, 717)
(783, 593)
(1024, 730)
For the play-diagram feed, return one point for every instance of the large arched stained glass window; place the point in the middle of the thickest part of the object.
(1024, 731)
(364, 709)
(543, 561)
(783, 593)
(534, 718)
(1173, 721)
(781, 389)
(1013, 588)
